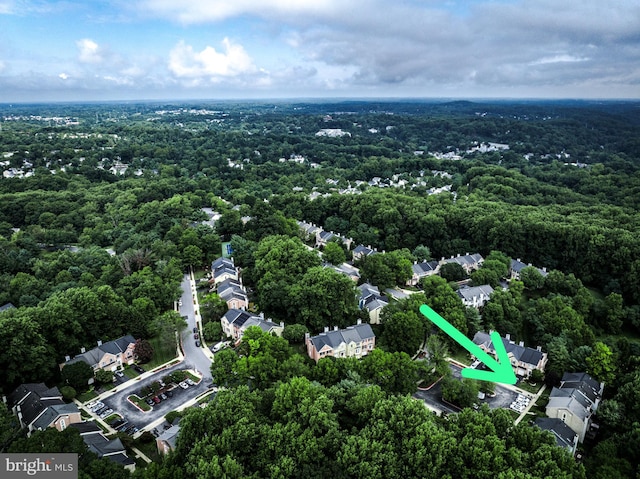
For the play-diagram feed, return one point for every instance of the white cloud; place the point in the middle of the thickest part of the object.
(63, 76)
(564, 58)
(184, 62)
(90, 51)
(7, 7)
(199, 11)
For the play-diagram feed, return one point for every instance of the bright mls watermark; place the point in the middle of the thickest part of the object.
(49, 466)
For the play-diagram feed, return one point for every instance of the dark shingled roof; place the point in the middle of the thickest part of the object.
(564, 435)
(521, 353)
(333, 339)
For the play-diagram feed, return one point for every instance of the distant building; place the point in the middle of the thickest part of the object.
(362, 251)
(112, 449)
(523, 359)
(223, 268)
(166, 442)
(469, 262)
(354, 341)
(422, 270)
(517, 266)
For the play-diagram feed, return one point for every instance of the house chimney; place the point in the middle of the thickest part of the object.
(307, 336)
(518, 260)
(282, 324)
(99, 342)
(508, 337)
(467, 253)
(84, 350)
(521, 344)
(261, 315)
(539, 348)
(359, 321)
(415, 262)
(326, 329)
(335, 328)
(544, 269)
(458, 255)
(67, 359)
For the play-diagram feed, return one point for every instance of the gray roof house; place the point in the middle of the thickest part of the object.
(517, 266)
(6, 307)
(109, 355)
(469, 262)
(523, 359)
(166, 442)
(112, 449)
(475, 296)
(565, 436)
(354, 341)
(575, 401)
(39, 407)
(223, 268)
(233, 293)
(422, 270)
(236, 321)
(362, 251)
(371, 300)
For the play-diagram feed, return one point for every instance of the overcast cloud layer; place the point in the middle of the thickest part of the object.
(139, 49)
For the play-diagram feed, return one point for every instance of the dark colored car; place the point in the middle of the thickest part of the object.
(195, 336)
(170, 394)
(197, 343)
(195, 330)
(150, 402)
(138, 369)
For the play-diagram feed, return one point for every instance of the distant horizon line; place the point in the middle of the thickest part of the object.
(388, 99)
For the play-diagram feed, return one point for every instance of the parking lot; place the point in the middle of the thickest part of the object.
(176, 396)
(433, 397)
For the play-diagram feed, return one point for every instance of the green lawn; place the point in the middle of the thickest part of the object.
(161, 353)
(130, 373)
(149, 449)
(461, 356)
(528, 387)
(139, 402)
(87, 396)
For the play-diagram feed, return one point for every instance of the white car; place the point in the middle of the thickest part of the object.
(190, 382)
(183, 385)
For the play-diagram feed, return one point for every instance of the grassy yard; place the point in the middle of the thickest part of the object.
(539, 408)
(130, 373)
(149, 449)
(528, 387)
(162, 353)
(461, 356)
(87, 396)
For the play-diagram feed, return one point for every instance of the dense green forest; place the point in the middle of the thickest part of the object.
(101, 211)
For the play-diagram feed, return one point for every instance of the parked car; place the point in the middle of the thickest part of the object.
(183, 385)
(120, 374)
(163, 397)
(150, 402)
(195, 330)
(197, 343)
(97, 406)
(195, 336)
(106, 413)
(156, 399)
(138, 369)
(190, 382)
(170, 394)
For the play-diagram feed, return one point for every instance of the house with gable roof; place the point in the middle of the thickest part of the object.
(523, 359)
(575, 402)
(475, 296)
(422, 270)
(517, 266)
(222, 269)
(110, 355)
(565, 436)
(166, 442)
(112, 449)
(233, 293)
(469, 262)
(354, 341)
(39, 407)
(362, 251)
(372, 301)
(236, 321)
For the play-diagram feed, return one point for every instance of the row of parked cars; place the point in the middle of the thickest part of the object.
(122, 425)
(520, 403)
(159, 398)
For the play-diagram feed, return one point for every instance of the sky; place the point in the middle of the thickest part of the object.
(93, 50)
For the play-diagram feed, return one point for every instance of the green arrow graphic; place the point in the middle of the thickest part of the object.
(501, 371)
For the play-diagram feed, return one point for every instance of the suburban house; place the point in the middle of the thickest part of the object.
(371, 300)
(469, 262)
(166, 442)
(517, 266)
(362, 251)
(323, 237)
(523, 359)
(422, 270)
(232, 292)
(355, 341)
(475, 296)
(309, 230)
(563, 434)
(575, 402)
(223, 268)
(236, 321)
(112, 449)
(39, 407)
(349, 271)
(110, 355)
